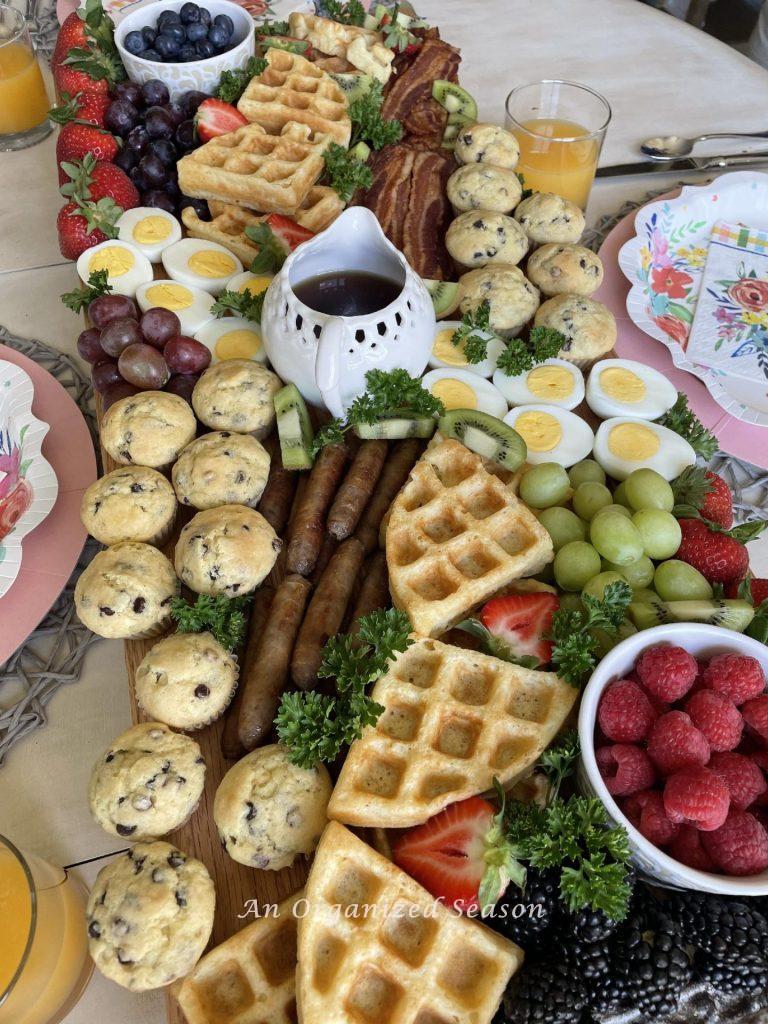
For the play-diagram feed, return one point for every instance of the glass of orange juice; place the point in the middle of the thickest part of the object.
(44, 963)
(23, 100)
(560, 127)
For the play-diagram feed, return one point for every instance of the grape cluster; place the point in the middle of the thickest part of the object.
(132, 352)
(183, 36)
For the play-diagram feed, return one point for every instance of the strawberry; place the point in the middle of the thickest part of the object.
(88, 106)
(96, 179)
(214, 117)
(85, 56)
(83, 225)
(71, 35)
(757, 589)
(71, 80)
(719, 555)
(77, 140)
(461, 855)
(701, 493)
(522, 622)
(287, 231)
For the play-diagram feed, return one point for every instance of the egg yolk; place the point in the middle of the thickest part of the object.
(255, 284)
(454, 394)
(444, 349)
(170, 296)
(211, 263)
(550, 383)
(114, 259)
(633, 442)
(622, 384)
(240, 344)
(540, 430)
(151, 229)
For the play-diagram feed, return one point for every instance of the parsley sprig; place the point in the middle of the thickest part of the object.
(271, 255)
(78, 299)
(344, 172)
(346, 12)
(272, 28)
(243, 303)
(474, 333)
(367, 123)
(521, 355)
(559, 761)
(687, 424)
(222, 616)
(574, 646)
(232, 84)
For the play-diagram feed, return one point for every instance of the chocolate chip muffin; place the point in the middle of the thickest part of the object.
(133, 503)
(237, 395)
(513, 299)
(148, 429)
(221, 468)
(480, 237)
(484, 187)
(559, 269)
(226, 550)
(484, 143)
(126, 591)
(588, 326)
(147, 783)
(546, 217)
(186, 680)
(150, 915)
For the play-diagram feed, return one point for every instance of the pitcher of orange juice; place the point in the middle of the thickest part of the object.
(23, 100)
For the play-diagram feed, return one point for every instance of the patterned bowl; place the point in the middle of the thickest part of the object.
(202, 75)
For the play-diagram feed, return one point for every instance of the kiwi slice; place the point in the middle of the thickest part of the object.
(486, 435)
(293, 428)
(454, 99)
(396, 427)
(450, 135)
(353, 86)
(730, 614)
(445, 296)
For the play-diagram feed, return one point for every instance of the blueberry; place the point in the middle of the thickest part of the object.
(205, 48)
(155, 93)
(186, 136)
(167, 46)
(196, 31)
(187, 53)
(205, 16)
(148, 35)
(151, 54)
(224, 21)
(164, 150)
(178, 32)
(134, 43)
(189, 14)
(217, 37)
(167, 18)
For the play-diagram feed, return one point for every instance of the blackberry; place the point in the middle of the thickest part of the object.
(727, 930)
(745, 978)
(591, 959)
(540, 903)
(591, 925)
(546, 990)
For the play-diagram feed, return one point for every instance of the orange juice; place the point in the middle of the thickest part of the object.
(557, 156)
(23, 100)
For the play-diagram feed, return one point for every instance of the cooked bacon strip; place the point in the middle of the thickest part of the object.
(428, 216)
(388, 195)
(408, 97)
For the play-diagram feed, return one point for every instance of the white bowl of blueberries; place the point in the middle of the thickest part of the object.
(184, 44)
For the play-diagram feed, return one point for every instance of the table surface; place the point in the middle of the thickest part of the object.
(660, 76)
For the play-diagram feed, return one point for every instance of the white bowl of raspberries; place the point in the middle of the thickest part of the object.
(674, 741)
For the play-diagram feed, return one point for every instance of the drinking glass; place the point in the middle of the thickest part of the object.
(23, 100)
(44, 962)
(560, 127)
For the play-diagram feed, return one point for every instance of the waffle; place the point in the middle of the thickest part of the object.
(250, 168)
(250, 978)
(376, 948)
(362, 48)
(456, 535)
(292, 89)
(453, 721)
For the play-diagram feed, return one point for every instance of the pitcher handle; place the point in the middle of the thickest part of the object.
(333, 339)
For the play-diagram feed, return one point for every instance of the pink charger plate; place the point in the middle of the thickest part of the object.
(51, 551)
(744, 440)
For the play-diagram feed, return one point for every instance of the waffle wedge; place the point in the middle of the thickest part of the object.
(249, 167)
(362, 48)
(453, 721)
(374, 946)
(456, 535)
(292, 89)
(250, 978)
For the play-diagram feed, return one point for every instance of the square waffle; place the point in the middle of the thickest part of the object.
(292, 89)
(376, 948)
(250, 978)
(456, 535)
(361, 47)
(251, 168)
(453, 721)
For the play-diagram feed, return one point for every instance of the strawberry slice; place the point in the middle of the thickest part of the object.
(215, 117)
(287, 231)
(522, 621)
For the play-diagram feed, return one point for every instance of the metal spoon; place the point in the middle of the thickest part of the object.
(672, 147)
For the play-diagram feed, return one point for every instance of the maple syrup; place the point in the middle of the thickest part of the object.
(347, 292)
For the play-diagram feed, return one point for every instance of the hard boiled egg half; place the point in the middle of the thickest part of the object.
(460, 389)
(553, 382)
(445, 353)
(200, 264)
(232, 337)
(127, 268)
(552, 434)
(254, 283)
(623, 387)
(623, 445)
(191, 305)
(150, 229)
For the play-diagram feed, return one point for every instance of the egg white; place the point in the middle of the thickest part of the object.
(489, 399)
(255, 283)
(673, 456)
(193, 317)
(124, 284)
(152, 250)
(482, 369)
(176, 262)
(210, 333)
(517, 392)
(575, 443)
(660, 393)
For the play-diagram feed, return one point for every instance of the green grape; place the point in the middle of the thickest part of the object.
(562, 525)
(678, 581)
(589, 498)
(644, 596)
(596, 586)
(645, 488)
(570, 602)
(620, 495)
(621, 510)
(575, 564)
(545, 485)
(586, 471)
(607, 641)
(660, 532)
(637, 574)
(616, 538)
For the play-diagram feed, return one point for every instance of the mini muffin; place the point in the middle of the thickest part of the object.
(237, 394)
(484, 187)
(226, 550)
(546, 217)
(125, 593)
(559, 269)
(478, 237)
(147, 783)
(221, 468)
(186, 680)
(588, 326)
(487, 144)
(512, 297)
(135, 503)
(148, 429)
(150, 915)
(268, 810)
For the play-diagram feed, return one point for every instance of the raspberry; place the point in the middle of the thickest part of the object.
(624, 768)
(698, 797)
(736, 676)
(755, 714)
(742, 776)
(646, 812)
(739, 846)
(667, 672)
(676, 743)
(717, 717)
(688, 849)
(625, 714)
(760, 757)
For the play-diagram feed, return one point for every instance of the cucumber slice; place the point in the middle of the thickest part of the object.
(730, 614)
(403, 19)
(454, 99)
(445, 296)
(353, 86)
(293, 428)
(486, 435)
(370, 22)
(396, 428)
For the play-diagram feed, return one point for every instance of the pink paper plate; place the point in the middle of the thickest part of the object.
(52, 549)
(743, 440)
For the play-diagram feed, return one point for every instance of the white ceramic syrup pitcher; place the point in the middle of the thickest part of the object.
(327, 357)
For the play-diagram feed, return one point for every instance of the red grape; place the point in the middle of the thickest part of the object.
(89, 347)
(159, 325)
(182, 384)
(143, 366)
(110, 307)
(185, 355)
(104, 375)
(116, 392)
(119, 334)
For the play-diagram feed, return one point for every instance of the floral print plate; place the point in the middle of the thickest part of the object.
(664, 263)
